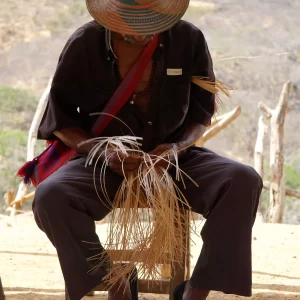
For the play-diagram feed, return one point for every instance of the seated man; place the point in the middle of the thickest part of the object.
(169, 112)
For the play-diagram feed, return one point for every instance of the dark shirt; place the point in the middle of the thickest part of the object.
(85, 80)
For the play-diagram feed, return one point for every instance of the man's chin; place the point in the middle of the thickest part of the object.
(133, 41)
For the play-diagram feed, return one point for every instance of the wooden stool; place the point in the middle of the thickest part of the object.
(2, 296)
(179, 271)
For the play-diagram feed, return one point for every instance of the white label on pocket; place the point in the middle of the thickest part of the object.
(174, 72)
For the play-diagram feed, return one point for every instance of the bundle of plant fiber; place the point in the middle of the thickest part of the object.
(151, 187)
(215, 87)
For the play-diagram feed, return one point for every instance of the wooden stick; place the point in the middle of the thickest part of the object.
(32, 138)
(277, 119)
(259, 146)
(265, 110)
(217, 119)
(9, 197)
(224, 122)
(22, 191)
(288, 192)
(24, 199)
(32, 135)
(259, 152)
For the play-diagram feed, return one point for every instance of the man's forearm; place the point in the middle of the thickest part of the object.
(73, 136)
(193, 132)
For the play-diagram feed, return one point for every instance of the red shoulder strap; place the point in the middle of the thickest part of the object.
(126, 88)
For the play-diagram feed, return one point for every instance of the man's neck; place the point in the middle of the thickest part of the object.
(128, 40)
(125, 49)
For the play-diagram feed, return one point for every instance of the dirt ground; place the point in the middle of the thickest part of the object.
(29, 267)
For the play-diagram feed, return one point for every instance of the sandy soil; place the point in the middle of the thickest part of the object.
(29, 267)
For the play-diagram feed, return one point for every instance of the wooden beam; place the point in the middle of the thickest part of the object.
(145, 286)
(288, 192)
(127, 255)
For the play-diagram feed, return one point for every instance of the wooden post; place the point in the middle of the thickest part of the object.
(259, 153)
(22, 191)
(12, 208)
(32, 135)
(2, 296)
(9, 197)
(32, 138)
(277, 118)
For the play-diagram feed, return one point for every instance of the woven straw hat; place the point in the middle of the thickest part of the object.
(137, 17)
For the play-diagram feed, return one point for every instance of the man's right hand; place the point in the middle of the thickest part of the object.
(120, 163)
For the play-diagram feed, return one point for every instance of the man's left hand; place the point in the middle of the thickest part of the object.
(166, 151)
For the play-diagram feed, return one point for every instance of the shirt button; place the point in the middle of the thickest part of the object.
(150, 123)
(161, 45)
(131, 102)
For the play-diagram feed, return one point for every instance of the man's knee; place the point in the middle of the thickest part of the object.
(48, 196)
(246, 185)
(245, 175)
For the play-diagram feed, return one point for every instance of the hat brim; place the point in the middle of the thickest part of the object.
(137, 19)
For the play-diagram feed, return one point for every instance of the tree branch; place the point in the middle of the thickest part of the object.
(217, 127)
(265, 110)
(288, 192)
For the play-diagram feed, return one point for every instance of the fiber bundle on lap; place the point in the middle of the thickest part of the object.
(150, 187)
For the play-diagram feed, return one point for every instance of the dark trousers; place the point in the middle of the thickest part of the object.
(66, 206)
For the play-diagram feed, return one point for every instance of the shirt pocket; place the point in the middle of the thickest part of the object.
(175, 99)
(177, 92)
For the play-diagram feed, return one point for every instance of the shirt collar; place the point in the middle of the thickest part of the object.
(161, 43)
(107, 40)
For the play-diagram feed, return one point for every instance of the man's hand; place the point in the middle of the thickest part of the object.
(166, 151)
(193, 132)
(121, 163)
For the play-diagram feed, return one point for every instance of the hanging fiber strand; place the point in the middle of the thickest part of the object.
(215, 87)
